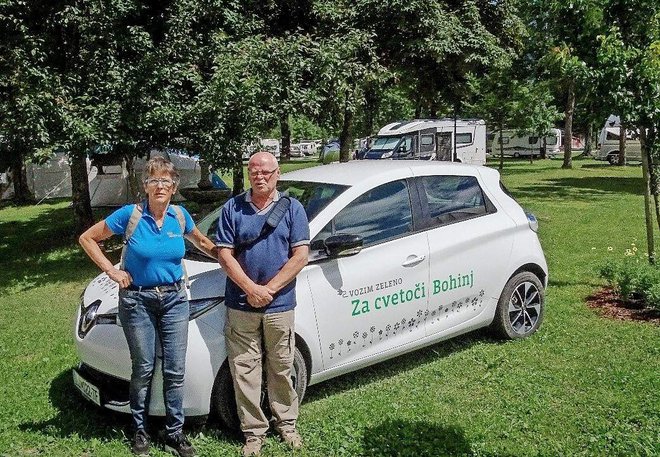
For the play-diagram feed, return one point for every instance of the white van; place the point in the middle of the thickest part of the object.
(527, 145)
(309, 148)
(608, 145)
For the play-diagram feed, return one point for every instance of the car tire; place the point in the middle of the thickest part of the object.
(520, 308)
(223, 402)
(516, 155)
(613, 159)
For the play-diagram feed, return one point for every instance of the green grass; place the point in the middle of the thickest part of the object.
(583, 385)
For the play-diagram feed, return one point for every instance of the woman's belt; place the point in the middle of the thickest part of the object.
(174, 287)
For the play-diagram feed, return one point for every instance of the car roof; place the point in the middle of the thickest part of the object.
(357, 171)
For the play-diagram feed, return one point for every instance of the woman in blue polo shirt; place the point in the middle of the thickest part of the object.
(153, 303)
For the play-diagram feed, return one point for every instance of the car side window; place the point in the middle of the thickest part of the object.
(378, 215)
(454, 198)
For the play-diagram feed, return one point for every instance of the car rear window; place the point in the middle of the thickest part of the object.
(453, 198)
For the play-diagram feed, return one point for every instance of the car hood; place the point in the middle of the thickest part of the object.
(207, 280)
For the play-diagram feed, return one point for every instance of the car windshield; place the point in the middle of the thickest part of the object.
(314, 196)
(385, 143)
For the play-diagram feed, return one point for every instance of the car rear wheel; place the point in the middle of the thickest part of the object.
(520, 308)
(613, 159)
(223, 401)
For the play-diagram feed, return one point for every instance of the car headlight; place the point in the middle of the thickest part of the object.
(89, 317)
(387, 155)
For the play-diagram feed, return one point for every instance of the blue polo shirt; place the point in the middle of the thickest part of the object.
(153, 255)
(241, 221)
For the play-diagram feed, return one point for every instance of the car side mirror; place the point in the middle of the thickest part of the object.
(343, 245)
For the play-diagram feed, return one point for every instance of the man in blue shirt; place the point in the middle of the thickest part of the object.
(261, 265)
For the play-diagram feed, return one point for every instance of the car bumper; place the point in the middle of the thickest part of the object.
(104, 372)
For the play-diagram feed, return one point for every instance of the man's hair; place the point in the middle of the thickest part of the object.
(158, 165)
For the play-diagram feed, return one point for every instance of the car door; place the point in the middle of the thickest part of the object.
(469, 243)
(375, 300)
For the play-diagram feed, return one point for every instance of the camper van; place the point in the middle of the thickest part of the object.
(527, 145)
(460, 140)
(608, 145)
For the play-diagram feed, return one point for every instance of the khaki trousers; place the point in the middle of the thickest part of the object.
(245, 335)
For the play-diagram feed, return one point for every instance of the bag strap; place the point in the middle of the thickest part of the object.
(182, 223)
(275, 216)
(133, 221)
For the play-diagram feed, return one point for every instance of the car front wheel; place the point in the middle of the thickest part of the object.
(520, 307)
(223, 401)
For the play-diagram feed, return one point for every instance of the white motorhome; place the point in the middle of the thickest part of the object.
(526, 145)
(460, 140)
(608, 145)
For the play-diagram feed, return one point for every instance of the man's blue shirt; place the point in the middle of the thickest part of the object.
(153, 255)
(241, 221)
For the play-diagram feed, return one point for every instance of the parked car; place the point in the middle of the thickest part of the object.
(309, 148)
(295, 151)
(608, 145)
(404, 254)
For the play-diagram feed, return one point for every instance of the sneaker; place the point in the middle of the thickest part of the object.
(292, 438)
(252, 446)
(140, 443)
(179, 444)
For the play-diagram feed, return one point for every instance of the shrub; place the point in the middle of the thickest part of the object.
(633, 278)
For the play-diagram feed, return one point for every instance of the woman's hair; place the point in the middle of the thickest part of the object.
(158, 165)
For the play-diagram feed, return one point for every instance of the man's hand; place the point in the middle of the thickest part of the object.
(259, 296)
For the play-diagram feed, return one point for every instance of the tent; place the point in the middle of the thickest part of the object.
(108, 183)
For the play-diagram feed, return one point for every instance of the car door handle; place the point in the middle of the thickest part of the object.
(413, 260)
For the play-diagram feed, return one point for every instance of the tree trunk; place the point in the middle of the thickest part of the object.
(418, 106)
(501, 127)
(285, 130)
(238, 186)
(345, 137)
(134, 188)
(22, 194)
(544, 147)
(568, 127)
(646, 156)
(204, 176)
(650, 140)
(82, 205)
(622, 143)
(588, 138)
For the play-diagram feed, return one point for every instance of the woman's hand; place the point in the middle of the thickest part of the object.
(121, 277)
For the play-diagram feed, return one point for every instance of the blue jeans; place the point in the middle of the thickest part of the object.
(148, 318)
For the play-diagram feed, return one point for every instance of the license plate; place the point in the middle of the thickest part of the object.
(89, 390)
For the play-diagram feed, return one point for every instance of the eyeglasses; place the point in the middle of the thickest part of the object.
(153, 182)
(265, 174)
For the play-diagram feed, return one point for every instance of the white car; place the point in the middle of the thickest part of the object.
(404, 254)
